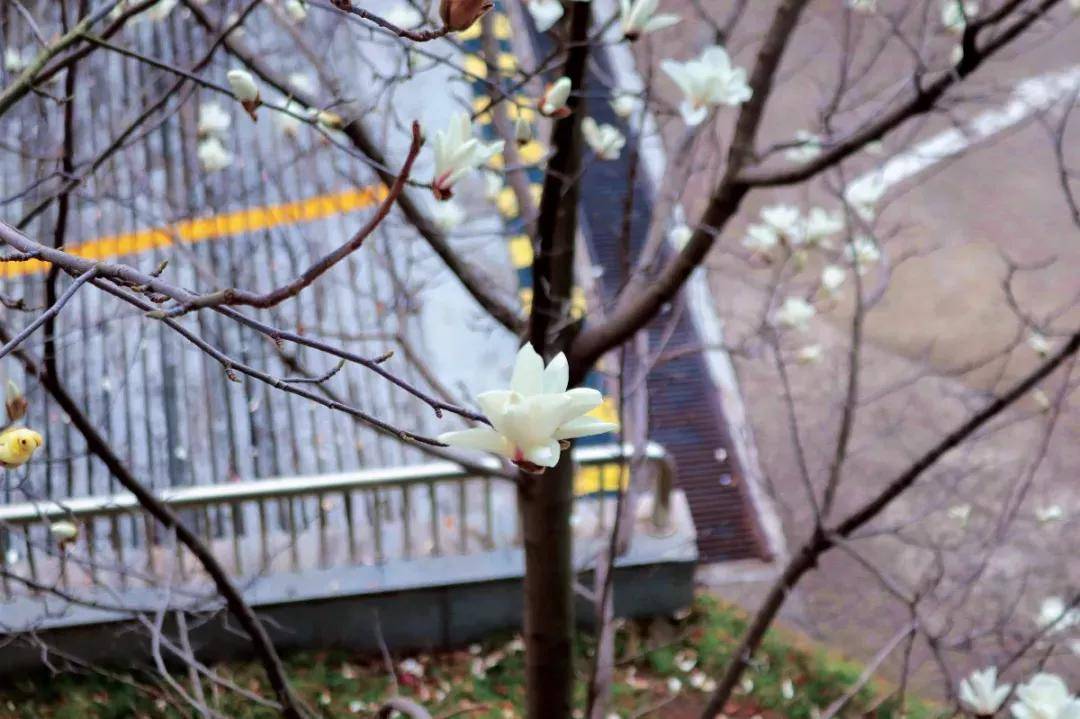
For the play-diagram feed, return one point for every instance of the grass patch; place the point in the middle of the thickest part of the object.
(664, 665)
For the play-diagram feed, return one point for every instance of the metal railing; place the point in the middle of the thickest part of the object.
(297, 523)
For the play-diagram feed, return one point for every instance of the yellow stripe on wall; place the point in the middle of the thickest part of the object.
(213, 227)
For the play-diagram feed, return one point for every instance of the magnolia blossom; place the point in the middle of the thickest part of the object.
(864, 6)
(680, 232)
(1045, 696)
(786, 220)
(960, 512)
(523, 131)
(64, 531)
(956, 13)
(213, 119)
(531, 421)
(213, 156)
(862, 252)
(787, 689)
(458, 15)
(1055, 615)
(1051, 513)
(981, 693)
(553, 103)
(244, 89)
(864, 196)
(625, 105)
(296, 10)
(760, 239)
(820, 224)
(707, 81)
(605, 140)
(794, 313)
(638, 17)
(832, 277)
(808, 148)
(810, 354)
(545, 13)
(456, 153)
(1039, 344)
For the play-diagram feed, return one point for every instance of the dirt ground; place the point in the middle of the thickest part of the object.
(945, 235)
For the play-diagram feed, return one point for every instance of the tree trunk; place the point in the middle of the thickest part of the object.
(545, 504)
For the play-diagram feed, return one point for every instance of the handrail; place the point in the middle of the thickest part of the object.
(282, 487)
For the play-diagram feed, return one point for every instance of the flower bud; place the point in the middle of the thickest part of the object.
(14, 402)
(523, 131)
(553, 103)
(458, 15)
(64, 532)
(245, 90)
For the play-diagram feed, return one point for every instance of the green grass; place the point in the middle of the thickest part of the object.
(788, 678)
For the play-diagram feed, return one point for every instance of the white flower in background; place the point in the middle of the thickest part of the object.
(981, 693)
(14, 60)
(1042, 401)
(864, 6)
(605, 140)
(553, 102)
(412, 667)
(1054, 613)
(808, 148)
(820, 224)
(356, 706)
(625, 105)
(1051, 513)
(760, 238)
(448, 215)
(955, 14)
(290, 123)
(457, 152)
(1044, 696)
(832, 277)
(674, 685)
(786, 220)
(787, 690)
(1039, 344)
(864, 196)
(302, 82)
(680, 232)
(64, 531)
(709, 80)
(862, 252)
(523, 131)
(531, 420)
(810, 354)
(638, 17)
(960, 512)
(245, 90)
(296, 10)
(545, 13)
(213, 119)
(404, 16)
(795, 313)
(697, 679)
(213, 156)
(685, 660)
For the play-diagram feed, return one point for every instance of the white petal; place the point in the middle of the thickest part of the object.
(493, 404)
(545, 455)
(481, 438)
(528, 377)
(584, 427)
(659, 22)
(557, 375)
(581, 400)
(692, 115)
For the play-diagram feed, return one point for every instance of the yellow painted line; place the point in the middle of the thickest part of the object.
(213, 227)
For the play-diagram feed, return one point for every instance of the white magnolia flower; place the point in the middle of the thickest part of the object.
(787, 689)
(794, 313)
(296, 10)
(213, 119)
(680, 232)
(864, 196)
(545, 13)
(243, 86)
(14, 60)
(1039, 343)
(862, 252)
(553, 103)
(786, 220)
(457, 152)
(960, 512)
(1054, 613)
(160, 10)
(64, 531)
(530, 420)
(955, 14)
(448, 215)
(1051, 513)
(605, 140)
(405, 16)
(864, 6)
(832, 277)
(709, 80)
(638, 17)
(808, 148)
(760, 238)
(810, 354)
(820, 224)
(1044, 696)
(213, 156)
(625, 105)
(523, 131)
(981, 693)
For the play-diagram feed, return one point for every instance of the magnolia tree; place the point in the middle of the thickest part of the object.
(797, 211)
